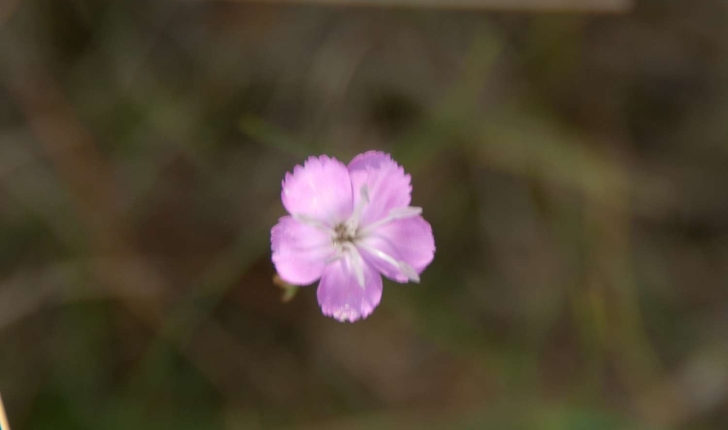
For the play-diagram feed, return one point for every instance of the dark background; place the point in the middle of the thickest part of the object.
(574, 169)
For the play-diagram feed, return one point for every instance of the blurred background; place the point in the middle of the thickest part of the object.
(573, 166)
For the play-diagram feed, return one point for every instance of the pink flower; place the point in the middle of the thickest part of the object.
(347, 227)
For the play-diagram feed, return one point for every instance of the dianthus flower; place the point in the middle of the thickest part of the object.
(348, 225)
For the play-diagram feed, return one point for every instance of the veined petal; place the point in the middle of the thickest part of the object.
(300, 251)
(388, 186)
(409, 241)
(320, 190)
(341, 296)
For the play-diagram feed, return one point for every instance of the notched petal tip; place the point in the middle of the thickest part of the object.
(320, 189)
(347, 315)
(341, 297)
(371, 159)
(320, 160)
(372, 153)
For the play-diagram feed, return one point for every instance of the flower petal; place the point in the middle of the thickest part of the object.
(388, 186)
(407, 240)
(320, 190)
(300, 251)
(341, 296)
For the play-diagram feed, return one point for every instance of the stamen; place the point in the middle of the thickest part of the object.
(409, 272)
(405, 212)
(394, 214)
(356, 262)
(386, 257)
(364, 193)
(353, 221)
(305, 219)
(336, 257)
(401, 265)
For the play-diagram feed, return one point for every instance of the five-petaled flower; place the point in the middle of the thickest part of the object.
(349, 225)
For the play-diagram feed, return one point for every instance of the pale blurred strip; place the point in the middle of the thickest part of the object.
(3, 418)
(515, 5)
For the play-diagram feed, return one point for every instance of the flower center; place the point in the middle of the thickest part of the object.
(344, 233)
(348, 231)
(348, 238)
